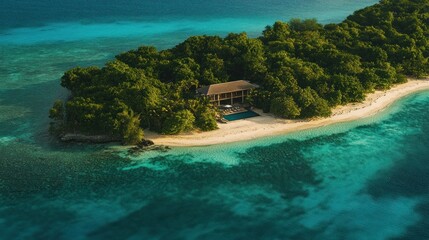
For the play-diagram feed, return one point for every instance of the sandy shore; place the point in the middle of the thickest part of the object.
(268, 125)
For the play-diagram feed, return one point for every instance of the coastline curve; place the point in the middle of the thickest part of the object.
(267, 125)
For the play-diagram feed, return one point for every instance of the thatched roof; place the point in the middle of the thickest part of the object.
(234, 86)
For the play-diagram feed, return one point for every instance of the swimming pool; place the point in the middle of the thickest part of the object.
(242, 115)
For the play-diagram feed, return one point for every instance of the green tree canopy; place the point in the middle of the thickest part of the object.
(303, 69)
(178, 122)
(285, 107)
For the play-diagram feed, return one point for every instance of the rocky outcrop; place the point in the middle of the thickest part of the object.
(143, 146)
(147, 145)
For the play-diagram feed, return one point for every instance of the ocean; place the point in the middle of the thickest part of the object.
(365, 179)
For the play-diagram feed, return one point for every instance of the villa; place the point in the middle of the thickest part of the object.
(227, 93)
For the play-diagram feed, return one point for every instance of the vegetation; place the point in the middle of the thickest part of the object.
(304, 69)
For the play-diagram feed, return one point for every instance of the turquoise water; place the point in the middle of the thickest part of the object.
(242, 115)
(360, 180)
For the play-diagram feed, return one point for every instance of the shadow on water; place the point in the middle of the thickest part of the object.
(194, 202)
(185, 198)
(188, 197)
(409, 176)
(290, 169)
(185, 218)
(162, 203)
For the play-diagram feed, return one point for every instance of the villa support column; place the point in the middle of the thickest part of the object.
(242, 96)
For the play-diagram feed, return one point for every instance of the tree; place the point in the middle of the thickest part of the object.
(131, 132)
(57, 111)
(312, 105)
(245, 58)
(145, 57)
(83, 115)
(278, 32)
(350, 87)
(319, 107)
(205, 119)
(197, 46)
(178, 122)
(212, 70)
(78, 79)
(184, 69)
(304, 25)
(285, 107)
(261, 98)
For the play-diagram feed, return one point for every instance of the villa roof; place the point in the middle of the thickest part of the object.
(239, 85)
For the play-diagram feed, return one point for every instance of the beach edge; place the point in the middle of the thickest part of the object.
(267, 125)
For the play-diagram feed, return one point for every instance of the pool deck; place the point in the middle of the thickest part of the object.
(230, 112)
(240, 115)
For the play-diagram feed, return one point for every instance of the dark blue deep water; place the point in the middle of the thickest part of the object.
(367, 179)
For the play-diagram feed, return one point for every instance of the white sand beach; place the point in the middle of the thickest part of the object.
(268, 125)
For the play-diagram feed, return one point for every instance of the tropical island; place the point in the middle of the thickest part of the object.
(295, 70)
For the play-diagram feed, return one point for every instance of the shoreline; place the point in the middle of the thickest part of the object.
(267, 125)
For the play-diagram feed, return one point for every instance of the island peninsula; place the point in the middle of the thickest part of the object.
(298, 71)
